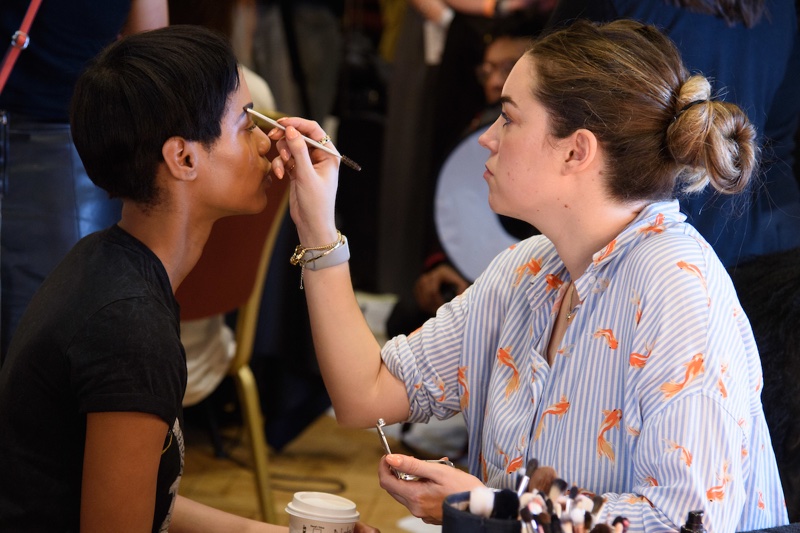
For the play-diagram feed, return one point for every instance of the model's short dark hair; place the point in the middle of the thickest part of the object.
(142, 90)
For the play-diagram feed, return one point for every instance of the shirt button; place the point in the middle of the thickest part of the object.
(592, 279)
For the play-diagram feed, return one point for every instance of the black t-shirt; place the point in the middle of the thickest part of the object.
(64, 37)
(102, 334)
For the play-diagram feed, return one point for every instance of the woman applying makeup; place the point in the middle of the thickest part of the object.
(612, 347)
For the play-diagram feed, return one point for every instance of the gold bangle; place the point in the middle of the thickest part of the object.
(300, 250)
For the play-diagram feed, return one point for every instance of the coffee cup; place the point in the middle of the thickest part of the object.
(320, 512)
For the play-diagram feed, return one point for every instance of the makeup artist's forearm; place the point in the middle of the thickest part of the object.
(359, 384)
(432, 10)
(146, 15)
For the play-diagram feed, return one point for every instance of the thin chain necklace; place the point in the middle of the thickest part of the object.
(572, 308)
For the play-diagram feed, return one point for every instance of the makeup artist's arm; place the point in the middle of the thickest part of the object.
(423, 498)
(361, 388)
(146, 15)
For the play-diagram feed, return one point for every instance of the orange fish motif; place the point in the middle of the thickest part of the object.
(606, 252)
(686, 456)
(694, 271)
(633, 500)
(553, 282)
(761, 504)
(532, 268)
(566, 351)
(744, 452)
(656, 227)
(505, 358)
(608, 335)
(484, 467)
(461, 378)
(558, 409)
(694, 368)
(514, 465)
(638, 360)
(637, 301)
(723, 390)
(440, 386)
(650, 480)
(610, 421)
(633, 431)
(717, 492)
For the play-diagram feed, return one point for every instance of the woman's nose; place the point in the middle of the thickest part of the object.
(488, 138)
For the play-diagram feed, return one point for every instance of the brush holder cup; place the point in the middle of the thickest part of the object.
(457, 519)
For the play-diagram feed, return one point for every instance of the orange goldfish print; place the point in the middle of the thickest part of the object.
(559, 409)
(656, 227)
(566, 351)
(553, 282)
(610, 421)
(717, 492)
(720, 383)
(694, 271)
(638, 360)
(608, 335)
(484, 467)
(462, 380)
(504, 358)
(637, 301)
(761, 504)
(532, 268)
(650, 480)
(440, 386)
(686, 456)
(633, 431)
(633, 500)
(694, 368)
(606, 252)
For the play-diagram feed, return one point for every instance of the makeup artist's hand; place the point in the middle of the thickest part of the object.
(424, 497)
(314, 178)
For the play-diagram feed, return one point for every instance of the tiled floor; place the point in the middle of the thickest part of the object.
(324, 458)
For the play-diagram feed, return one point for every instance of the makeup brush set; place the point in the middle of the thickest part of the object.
(542, 503)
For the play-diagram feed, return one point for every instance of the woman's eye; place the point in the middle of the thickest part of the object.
(506, 120)
(251, 127)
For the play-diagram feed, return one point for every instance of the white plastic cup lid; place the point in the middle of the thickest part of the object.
(323, 506)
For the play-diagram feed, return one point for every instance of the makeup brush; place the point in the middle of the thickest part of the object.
(311, 142)
(531, 467)
(542, 478)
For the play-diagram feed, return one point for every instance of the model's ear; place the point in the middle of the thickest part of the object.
(580, 151)
(180, 157)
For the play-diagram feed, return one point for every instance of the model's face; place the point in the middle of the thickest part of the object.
(499, 58)
(236, 167)
(523, 165)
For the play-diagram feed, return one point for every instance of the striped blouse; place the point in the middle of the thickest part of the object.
(653, 399)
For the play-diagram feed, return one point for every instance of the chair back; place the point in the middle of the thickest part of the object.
(231, 271)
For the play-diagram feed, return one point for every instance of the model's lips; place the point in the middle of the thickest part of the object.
(487, 173)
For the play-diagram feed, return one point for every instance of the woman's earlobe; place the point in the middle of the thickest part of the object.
(180, 158)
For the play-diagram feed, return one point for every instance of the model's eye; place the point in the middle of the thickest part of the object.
(251, 127)
(506, 120)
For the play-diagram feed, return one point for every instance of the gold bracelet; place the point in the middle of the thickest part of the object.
(330, 255)
(300, 250)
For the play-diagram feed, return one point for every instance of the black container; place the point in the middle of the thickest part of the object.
(454, 520)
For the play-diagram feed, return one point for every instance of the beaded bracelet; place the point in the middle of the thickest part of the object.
(330, 255)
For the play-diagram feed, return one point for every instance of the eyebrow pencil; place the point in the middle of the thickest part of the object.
(311, 142)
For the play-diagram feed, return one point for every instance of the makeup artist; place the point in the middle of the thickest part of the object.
(612, 347)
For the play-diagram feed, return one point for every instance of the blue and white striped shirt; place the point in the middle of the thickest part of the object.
(653, 399)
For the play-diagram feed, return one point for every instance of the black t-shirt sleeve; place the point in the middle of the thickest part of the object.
(129, 358)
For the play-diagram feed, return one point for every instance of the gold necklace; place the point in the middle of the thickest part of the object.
(572, 308)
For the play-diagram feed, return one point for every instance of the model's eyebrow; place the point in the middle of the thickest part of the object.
(508, 100)
(244, 110)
